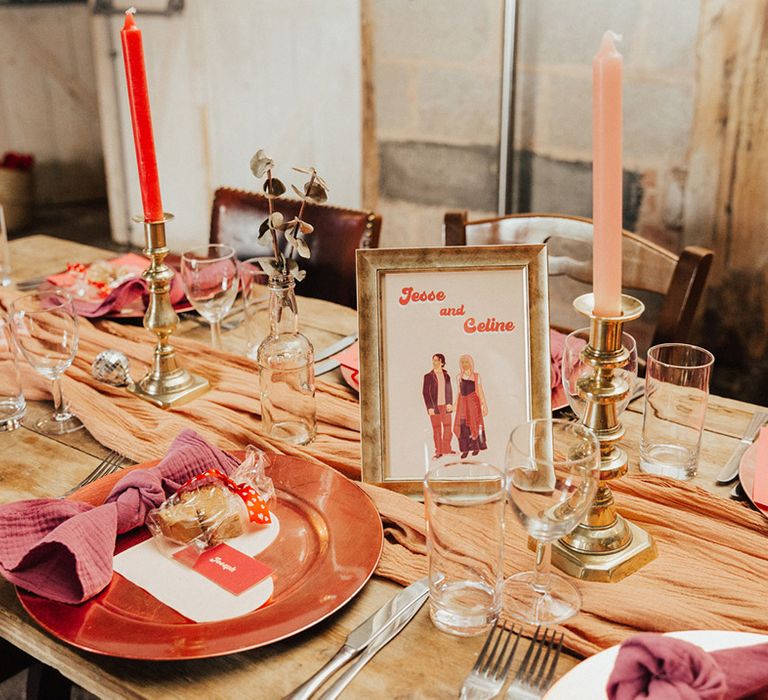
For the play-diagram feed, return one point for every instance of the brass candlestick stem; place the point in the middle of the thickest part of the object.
(166, 384)
(606, 547)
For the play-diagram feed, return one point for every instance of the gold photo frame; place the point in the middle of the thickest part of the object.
(465, 325)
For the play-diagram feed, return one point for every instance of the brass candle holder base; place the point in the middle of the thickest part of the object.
(611, 565)
(166, 384)
(605, 547)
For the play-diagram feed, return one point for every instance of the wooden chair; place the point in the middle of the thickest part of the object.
(670, 286)
(237, 215)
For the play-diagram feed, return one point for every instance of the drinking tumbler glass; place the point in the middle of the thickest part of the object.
(465, 538)
(676, 393)
(12, 405)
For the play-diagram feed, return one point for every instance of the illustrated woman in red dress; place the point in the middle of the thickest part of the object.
(470, 409)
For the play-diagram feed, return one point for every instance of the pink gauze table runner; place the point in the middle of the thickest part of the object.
(712, 563)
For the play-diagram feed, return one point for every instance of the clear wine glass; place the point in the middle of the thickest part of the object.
(574, 369)
(45, 329)
(552, 469)
(209, 274)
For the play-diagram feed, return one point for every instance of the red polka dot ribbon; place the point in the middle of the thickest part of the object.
(257, 509)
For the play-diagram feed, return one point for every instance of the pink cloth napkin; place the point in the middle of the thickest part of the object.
(657, 667)
(62, 549)
(131, 294)
(556, 349)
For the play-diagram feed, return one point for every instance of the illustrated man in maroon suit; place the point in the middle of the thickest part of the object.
(438, 398)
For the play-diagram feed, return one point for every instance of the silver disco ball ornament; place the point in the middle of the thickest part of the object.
(111, 367)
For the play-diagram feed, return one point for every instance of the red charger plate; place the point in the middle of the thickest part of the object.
(329, 544)
(747, 474)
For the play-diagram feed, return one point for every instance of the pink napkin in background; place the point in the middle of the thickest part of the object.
(760, 484)
(131, 294)
(349, 357)
(658, 667)
(62, 549)
(556, 349)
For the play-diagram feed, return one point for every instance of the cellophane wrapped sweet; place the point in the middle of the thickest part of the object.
(213, 507)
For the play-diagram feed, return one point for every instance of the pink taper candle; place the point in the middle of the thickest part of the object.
(606, 176)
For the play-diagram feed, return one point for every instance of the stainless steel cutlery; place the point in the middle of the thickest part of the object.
(537, 668)
(489, 673)
(371, 650)
(379, 628)
(333, 348)
(731, 469)
(111, 463)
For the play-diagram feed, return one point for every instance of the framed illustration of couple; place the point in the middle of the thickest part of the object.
(454, 350)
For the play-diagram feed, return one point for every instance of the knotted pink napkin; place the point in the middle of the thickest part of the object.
(131, 294)
(657, 667)
(62, 549)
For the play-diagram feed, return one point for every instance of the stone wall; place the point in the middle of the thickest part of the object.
(437, 85)
(557, 41)
(437, 78)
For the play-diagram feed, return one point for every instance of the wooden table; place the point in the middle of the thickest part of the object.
(420, 663)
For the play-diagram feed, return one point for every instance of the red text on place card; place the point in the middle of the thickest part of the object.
(225, 566)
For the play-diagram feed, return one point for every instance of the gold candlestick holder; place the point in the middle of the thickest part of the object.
(166, 383)
(606, 546)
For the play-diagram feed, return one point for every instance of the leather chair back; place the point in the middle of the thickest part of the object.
(237, 215)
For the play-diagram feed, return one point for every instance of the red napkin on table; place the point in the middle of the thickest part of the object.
(62, 549)
(658, 667)
(132, 293)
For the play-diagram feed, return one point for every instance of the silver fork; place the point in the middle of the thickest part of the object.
(488, 674)
(113, 462)
(537, 668)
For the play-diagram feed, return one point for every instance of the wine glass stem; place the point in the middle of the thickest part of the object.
(541, 566)
(60, 411)
(216, 335)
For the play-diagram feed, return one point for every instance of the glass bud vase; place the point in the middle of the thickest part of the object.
(286, 361)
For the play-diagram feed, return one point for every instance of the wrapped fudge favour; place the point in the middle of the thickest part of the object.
(213, 507)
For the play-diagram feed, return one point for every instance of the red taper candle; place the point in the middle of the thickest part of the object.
(141, 118)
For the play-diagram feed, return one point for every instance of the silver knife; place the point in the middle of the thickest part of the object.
(332, 349)
(340, 684)
(33, 283)
(384, 619)
(731, 469)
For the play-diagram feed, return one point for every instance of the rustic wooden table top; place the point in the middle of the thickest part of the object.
(420, 663)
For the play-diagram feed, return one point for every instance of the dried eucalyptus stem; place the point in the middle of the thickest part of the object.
(315, 190)
(278, 255)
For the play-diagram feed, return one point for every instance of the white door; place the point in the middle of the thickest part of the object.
(227, 77)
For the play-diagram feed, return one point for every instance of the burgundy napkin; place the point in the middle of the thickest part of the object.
(658, 667)
(63, 549)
